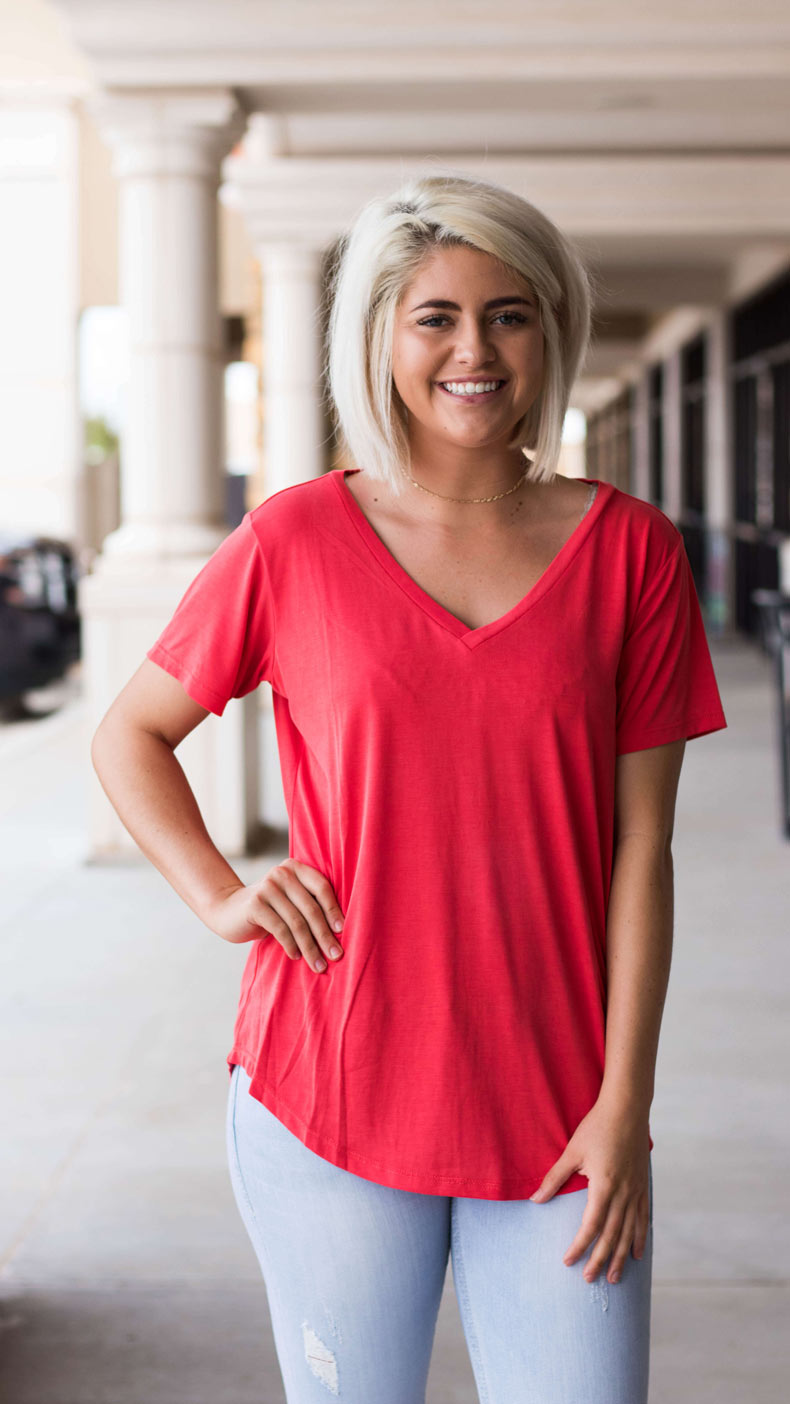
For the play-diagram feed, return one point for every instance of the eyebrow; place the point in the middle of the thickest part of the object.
(496, 302)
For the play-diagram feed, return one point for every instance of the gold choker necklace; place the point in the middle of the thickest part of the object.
(444, 498)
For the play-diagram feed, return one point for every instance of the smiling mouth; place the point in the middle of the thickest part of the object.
(470, 391)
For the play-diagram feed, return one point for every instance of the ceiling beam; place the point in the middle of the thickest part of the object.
(313, 200)
(241, 42)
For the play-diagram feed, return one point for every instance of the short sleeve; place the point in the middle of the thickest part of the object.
(219, 643)
(666, 686)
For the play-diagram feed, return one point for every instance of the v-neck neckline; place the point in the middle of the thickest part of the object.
(466, 635)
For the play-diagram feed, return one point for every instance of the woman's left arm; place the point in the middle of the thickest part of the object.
(610, 1146)
(639, 923)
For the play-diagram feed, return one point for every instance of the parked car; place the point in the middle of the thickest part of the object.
(39, 622)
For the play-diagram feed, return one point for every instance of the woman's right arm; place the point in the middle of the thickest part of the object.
(132, 752)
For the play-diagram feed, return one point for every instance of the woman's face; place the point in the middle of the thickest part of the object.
(465, 319)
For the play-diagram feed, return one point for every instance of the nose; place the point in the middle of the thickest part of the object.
(473, 347)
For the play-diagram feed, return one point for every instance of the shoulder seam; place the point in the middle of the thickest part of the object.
(290, 487)
(652, 507)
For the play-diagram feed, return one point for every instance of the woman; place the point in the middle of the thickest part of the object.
(483, 677)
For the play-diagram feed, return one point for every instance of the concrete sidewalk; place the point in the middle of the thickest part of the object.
(127, 1276)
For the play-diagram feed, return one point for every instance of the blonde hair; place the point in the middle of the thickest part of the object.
(377, 260)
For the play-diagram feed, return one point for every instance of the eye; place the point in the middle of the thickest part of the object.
(516, 319)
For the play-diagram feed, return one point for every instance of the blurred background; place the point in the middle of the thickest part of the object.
(174, 177)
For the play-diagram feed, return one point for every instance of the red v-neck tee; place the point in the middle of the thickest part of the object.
(456, 786)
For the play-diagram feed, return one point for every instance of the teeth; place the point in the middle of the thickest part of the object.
(468, 387)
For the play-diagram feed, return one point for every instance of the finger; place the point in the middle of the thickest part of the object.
(593, 1220)
(623, 1244)
(552, 1180)
(271, 913)
(292, 929)
(642, 1229)
(312, 911)
(323, 890)
(607, 1239)
(318, 938)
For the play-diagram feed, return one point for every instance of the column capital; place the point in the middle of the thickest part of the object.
(177, 132)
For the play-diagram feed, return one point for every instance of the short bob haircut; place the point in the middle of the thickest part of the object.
(378, 258)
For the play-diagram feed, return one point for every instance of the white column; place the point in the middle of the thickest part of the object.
(640, 437)
(41, 450)
(672, 427)
(293, 421)
(719, 473)
(294, 432)
(167, 154)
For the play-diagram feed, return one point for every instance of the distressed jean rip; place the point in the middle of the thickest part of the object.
(320, 1358)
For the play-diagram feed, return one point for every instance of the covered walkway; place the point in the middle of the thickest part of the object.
(126, 1273)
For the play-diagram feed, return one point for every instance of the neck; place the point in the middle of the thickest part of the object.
(464, 473)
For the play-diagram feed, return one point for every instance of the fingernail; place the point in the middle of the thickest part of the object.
(320, 964)
(334, 951)
(338, 925)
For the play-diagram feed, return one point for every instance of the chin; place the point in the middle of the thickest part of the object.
(481, 442)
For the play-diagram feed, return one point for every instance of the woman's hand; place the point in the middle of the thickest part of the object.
(612, 1149)
(294, 903)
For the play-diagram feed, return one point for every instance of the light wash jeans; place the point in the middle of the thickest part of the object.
(354, 1273)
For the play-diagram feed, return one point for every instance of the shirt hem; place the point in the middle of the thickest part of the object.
(414, 1181)
(198, 691)
(688, 731)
